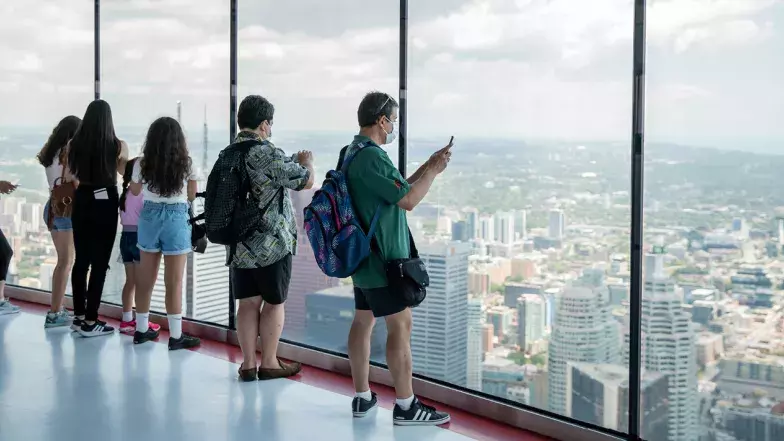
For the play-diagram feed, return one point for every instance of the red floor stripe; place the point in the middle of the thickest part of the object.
(462, 422)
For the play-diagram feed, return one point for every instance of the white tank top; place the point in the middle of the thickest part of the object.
(54, 171)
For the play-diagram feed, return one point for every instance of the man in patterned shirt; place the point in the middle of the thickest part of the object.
(261, 264)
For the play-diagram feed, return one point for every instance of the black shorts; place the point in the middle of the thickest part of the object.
(379, 300)
(269, 282)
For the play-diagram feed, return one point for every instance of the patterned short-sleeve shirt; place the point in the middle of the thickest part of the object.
(272, 175)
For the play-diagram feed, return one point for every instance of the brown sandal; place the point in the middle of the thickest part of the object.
(247, 374)
(286, 370)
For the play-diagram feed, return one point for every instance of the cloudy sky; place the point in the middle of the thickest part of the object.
(555, 69)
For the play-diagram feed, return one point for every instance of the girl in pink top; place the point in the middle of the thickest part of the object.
(130, 208)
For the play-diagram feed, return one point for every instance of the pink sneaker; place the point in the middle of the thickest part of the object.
(129, 328)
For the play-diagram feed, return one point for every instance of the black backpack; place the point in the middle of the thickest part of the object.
(231, 211)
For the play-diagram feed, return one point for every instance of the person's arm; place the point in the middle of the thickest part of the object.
(418, 190)
(122, 157)
(419, 172)
(193, 188)
(283, 171)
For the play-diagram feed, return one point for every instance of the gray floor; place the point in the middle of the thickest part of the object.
(55, 385)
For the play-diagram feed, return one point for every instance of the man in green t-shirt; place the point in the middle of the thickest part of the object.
(374, 180)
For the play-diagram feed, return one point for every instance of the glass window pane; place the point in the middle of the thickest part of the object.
(713, 235)
(315, 68)
(44, 77)
(172, 59)
(526, 233)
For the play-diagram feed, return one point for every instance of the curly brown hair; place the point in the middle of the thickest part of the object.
(60, 136)
(165, 163)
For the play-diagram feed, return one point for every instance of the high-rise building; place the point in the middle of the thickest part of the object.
(521, 223)
(439, 341)
(32, 216)
(475, 351)
(599, 394)
(668, 346)
(487, 337)
(487, 228)
(505, 227)
(501, 318)
(306, 276)
(45, 272)
(584, 331)
(556, 225)
(329, 315)
(530, 320)
(472, 223)
(459, 231)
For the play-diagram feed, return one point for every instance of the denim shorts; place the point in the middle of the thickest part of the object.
(164, 228)
(129, 251)
(59, 223)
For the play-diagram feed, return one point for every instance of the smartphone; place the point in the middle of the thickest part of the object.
(451, 143)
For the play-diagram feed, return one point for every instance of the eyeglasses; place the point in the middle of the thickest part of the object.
(381, 107)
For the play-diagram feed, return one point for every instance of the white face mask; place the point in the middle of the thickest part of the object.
(391, 136)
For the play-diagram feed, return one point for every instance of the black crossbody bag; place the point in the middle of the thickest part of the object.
(407, 278)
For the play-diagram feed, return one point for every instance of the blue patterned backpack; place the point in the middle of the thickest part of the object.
(338, 241)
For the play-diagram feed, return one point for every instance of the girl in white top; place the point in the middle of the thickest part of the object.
(164, 174)
(61, 228)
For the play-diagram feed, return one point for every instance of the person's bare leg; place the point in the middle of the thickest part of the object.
(129, 288)
(173, 267)
(63, 245)
(146, 275)
(399, 352)
(359, 349)
(248, 315)
(270, 327)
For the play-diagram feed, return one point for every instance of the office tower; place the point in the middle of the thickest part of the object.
(505, 227)
(460, 231)
(487, 228)
(556, 224)
(584, 331)
(45, 272)
(32, 216)
(472, 223)
(521, 223)
(599, 394)
(306, 276)
(475, 350)
(501, 319)
(329, 315)
(439, 340)
(487, 337)
(205, 162)
(668, 346)
(206, 278)
(530, 320)
(179, 112)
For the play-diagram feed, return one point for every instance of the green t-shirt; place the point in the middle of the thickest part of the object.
(372, 180)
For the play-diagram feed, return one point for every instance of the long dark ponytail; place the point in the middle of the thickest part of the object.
(126, 181)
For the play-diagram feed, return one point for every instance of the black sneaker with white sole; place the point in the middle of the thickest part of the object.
(77, 324)
(419, 415)
(96, 329)
(184, 342)
(143, 337)
(360, 406)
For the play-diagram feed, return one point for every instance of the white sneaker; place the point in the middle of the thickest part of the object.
(7, 308)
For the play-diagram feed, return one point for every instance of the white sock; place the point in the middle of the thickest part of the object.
(127, 316)
(142, 321)
(367, 396)
(405, 403)
(175, 325)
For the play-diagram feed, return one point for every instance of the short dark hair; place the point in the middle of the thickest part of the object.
(253, 111)
(373, 105)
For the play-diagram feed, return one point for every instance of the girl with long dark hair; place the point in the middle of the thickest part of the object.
(130, 210)
(95, 154)
(53, 158)
(165, 176)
